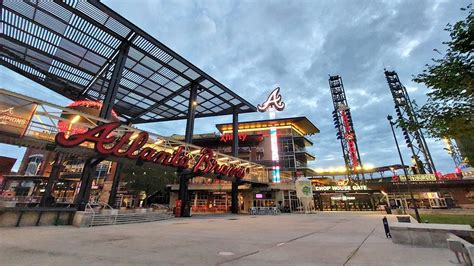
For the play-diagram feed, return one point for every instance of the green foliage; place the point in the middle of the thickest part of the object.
(148, 178)
(448, 219)
(449, 110)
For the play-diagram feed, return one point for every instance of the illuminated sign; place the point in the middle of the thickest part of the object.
(349, 136)
(275, 156)
(259, 196)
(343, 198)
(339, 188)
(228, 137)
(74, 124)
(342, 182)
(15, 114)
(273, 101)
(418, 178)
(126, 146)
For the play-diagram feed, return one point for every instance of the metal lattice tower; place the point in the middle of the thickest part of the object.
(453, 150)
(345, 128)
(406, 115)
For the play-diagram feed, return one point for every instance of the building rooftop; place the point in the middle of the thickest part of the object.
(302, 124)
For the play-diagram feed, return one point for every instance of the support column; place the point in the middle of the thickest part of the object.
(82, 197)
(188, 138)
(53, 176)
(115, 184)
(235, 153)
(111, 94)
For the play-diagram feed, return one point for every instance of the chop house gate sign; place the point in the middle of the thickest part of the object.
(132, 147)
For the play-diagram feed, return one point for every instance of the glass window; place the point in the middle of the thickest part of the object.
(102, 169)
(34, 164)
(286, 145)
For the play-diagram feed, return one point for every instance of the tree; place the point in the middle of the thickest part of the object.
(149, 179)
(449, 110)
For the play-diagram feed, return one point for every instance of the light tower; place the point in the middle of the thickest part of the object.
(345, 129)
(453, 150)
(406, 116)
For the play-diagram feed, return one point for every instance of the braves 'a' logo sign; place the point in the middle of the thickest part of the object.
(273, 100)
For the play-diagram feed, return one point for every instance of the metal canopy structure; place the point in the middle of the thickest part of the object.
(80, 49)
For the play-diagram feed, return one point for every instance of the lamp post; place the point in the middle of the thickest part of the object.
(389, 118)
(399, 193)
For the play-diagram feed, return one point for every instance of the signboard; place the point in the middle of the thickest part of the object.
(343, 198)
(229, 136)
(340, 188)
(303, 188)
(273, 101)
(418, 178)
(15, 114)
(132, 146)
(304, 192)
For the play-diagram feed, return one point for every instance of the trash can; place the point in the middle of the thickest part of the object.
(386, 227)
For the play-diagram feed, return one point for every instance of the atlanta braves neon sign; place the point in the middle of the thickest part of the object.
(106, 143)
(273, 101)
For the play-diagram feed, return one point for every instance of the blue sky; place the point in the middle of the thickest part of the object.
(254, 46)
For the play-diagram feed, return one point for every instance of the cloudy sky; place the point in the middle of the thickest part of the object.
(254, 46)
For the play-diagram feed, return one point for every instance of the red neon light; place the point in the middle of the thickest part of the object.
(106, 143)
(349, 136)
(65, 126)
(89, 103)
(228, 137)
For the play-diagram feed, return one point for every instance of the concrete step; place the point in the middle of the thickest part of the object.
(128, 218)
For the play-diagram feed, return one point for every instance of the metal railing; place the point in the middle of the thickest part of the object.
(103, 214)
(43, 127)
(21, 199)
(94, 208)
(264, 211)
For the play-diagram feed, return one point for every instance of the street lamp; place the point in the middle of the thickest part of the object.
(389, 118)
(398, 189)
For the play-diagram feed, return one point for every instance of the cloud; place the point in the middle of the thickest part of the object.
(254, 46)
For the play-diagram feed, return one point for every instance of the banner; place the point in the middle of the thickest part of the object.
(15, 114)
(304, 188)
(418, 178)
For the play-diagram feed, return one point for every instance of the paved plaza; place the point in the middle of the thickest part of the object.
(287, 239)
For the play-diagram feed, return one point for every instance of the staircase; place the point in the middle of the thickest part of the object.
(110, 216)
(128, 218)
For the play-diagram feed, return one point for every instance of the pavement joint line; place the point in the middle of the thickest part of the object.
(357, 249)
(291, 240)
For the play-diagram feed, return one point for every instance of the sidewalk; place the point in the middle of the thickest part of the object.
(286, 239)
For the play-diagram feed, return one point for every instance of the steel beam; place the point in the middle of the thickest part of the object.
(82, 197)
(188, 138)
(167, 98)
(115, 184)
(114, 84)
(235, 153)
(53, 176)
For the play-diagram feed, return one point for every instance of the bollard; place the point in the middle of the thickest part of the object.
(386, 228)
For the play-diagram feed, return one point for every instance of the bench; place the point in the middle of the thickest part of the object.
(427, 235)
(461, 246)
